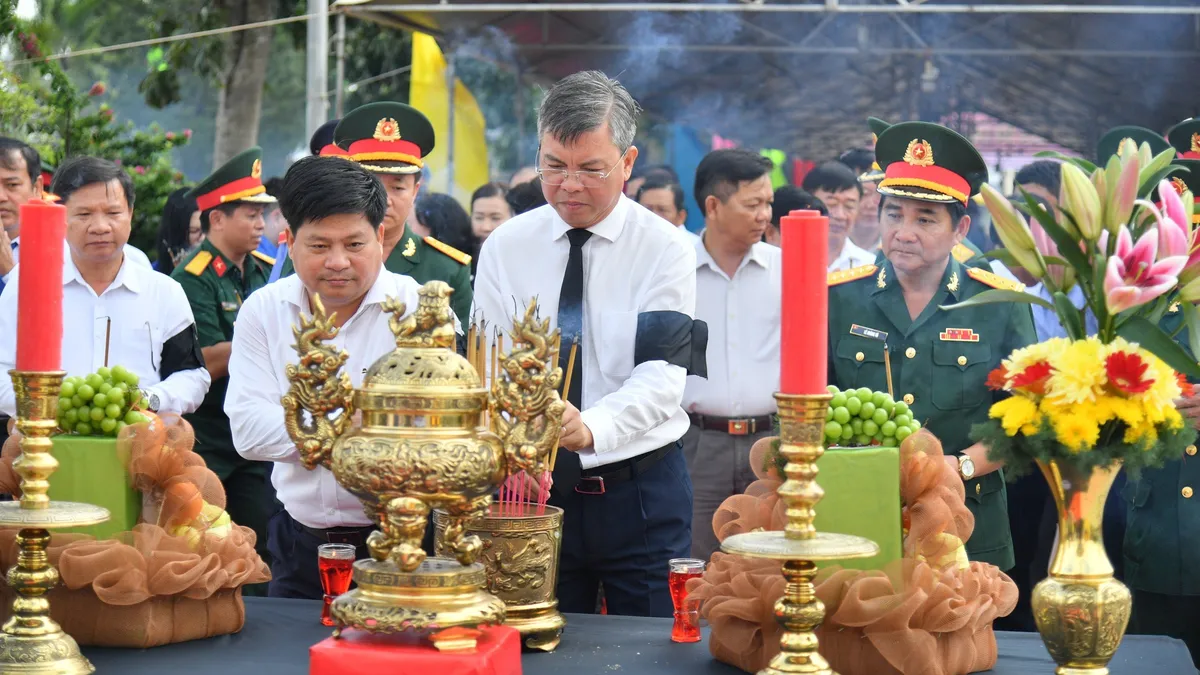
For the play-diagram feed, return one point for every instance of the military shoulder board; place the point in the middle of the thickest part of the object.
(853, 274)
(994, 280)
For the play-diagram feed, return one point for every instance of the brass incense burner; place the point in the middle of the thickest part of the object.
(423, 444)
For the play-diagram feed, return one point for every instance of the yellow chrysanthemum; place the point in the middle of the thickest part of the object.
(1015, 414)
(1048, 351)
(1077, 432)
(1107, 408)
(1078, 375)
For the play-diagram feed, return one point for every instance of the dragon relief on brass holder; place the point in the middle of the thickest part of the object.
(422, 444)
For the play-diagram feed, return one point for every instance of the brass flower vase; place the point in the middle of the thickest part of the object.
(520, 553)
(1080, 609)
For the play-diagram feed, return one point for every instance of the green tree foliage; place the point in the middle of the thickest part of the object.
(66, 121)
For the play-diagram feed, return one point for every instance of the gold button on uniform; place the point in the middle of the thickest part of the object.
(1186, 492)
(978, 488)
(962, 360)
(1191, 450)
(910, 352)
(859, 356)
(908, 398)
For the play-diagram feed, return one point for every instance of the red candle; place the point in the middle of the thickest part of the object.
(804, 341)
(40, 287)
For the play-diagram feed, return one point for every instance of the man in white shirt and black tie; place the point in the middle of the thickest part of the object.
(622, 282)
(115, 311)
(738, 287)
(334, 209)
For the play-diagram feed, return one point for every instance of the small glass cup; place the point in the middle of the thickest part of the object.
(687, 612)
(336, 565)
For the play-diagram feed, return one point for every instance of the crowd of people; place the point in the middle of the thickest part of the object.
(678, 330)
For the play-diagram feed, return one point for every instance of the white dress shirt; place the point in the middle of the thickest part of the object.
(691, 237)
(132, 254)
(129, 323)
(851, 256)
(634, 262)
(262, 349)
(743, 317)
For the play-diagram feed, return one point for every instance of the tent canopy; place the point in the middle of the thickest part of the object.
(803, 77)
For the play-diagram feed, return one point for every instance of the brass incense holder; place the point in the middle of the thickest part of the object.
(800, 546)
(520, 553)
(31, 642)
(423, 445)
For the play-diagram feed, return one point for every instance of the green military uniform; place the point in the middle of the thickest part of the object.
(216, 287)
(1161, 550)
(941, 359)
(392, 138)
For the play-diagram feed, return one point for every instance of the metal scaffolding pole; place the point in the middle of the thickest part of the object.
(445, 7)
(317, 75)
(339, 97)
(854, 51)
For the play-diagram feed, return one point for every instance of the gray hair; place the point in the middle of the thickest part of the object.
(583, 102)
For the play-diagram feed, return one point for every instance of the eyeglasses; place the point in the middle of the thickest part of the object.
(588, 179)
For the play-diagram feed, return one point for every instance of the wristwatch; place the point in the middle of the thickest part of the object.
(151, 400)
(966, 467)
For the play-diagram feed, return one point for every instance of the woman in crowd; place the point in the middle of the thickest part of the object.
(448, 222)
(178, 231)
(489, 210)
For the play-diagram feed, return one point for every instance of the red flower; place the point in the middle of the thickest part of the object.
(140, 170)
(1185, 387)
(187, 133)
(1127, 373)
(1033, 379)
(97, 89)
(997, 379)
(170, 135)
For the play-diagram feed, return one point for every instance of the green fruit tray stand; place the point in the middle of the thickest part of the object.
(91, 470)
(862, 497)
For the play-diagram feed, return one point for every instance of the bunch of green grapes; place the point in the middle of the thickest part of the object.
(100, 404)
(861, 417)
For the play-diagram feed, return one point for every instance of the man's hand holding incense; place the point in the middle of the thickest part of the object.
(575, 434)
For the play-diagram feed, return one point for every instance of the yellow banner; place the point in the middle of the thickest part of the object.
(429, 94)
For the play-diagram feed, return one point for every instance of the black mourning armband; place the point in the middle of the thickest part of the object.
(181, 352)
(673, 337)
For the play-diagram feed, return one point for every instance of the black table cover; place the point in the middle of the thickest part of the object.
(278, 634)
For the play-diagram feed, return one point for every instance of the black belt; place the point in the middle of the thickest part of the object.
(594, 481)
(355, 536)
(734, 426)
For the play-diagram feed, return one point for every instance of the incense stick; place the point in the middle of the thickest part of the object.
(107, 338)
(566, 390)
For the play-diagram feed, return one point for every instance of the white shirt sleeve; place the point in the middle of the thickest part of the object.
(252, 399)
(8, 347)
(654, 390)
(183, 391)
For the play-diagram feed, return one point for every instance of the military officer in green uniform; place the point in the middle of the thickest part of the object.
(889, 316)
(389, 140)
(1162, 555)
(217, 277)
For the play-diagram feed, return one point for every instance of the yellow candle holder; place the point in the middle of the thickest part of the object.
(31, 643)
(800, 546)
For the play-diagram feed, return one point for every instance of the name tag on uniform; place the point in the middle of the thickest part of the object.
(959, 335)
(229, 306)
(863, 331)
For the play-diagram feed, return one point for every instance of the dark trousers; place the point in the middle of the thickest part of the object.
(1029, 503)
(1176, 616)
(294, 559)
(624, 539)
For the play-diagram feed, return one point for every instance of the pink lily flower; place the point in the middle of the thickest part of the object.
(1132, 277)
(1173, 220)
(1063, 277)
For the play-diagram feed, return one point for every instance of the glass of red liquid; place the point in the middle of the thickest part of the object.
(336, 563)
(687, 612)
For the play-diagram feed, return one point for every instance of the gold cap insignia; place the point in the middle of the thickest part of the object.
(1195, 142)
(1179, 185)
(387, 130)
(919, 153)
(256, 169)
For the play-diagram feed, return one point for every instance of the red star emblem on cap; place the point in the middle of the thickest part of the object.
(1179, 185)
(919, 153)
(387, 130)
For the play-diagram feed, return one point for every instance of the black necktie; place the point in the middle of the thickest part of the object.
(570, 323)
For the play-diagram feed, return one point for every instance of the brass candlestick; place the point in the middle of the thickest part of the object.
(800, 546)
(32, 642)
